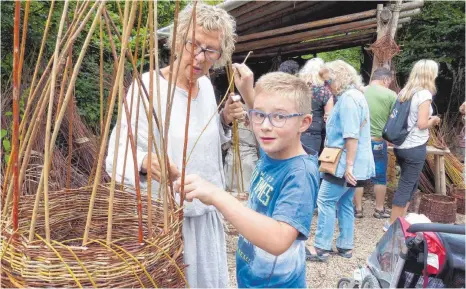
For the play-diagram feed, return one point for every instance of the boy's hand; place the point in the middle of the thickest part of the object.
(233, 110)
(196, 187)
(244, 82)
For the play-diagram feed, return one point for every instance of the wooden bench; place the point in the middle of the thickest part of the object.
(439, 170)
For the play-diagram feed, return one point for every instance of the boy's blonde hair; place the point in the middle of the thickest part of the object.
(422, 76)
(289, 86)
(343, 75)
(310, 73)
(210, 18)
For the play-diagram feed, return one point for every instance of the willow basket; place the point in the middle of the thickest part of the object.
(66, 263)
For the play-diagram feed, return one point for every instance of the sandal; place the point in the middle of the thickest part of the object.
(320, 256)
(345, 253)
(358, 213)
(381, 214)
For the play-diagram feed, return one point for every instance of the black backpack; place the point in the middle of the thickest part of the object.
(396, 128)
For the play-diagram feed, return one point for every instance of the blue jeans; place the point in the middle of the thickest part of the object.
(379, 150)
(331, 197)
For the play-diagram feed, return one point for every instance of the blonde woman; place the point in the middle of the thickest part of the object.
(322, 104)
(411, 154)
(203, 234)
(348, 128)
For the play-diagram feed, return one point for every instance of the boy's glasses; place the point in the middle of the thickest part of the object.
(277, 119)
(210, 54)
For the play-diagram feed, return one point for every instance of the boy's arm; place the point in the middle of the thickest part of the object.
(244, 82)
(266, 233)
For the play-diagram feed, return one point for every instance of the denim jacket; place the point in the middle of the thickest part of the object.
(345, 121)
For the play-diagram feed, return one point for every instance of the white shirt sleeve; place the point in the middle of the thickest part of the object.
(140, 138)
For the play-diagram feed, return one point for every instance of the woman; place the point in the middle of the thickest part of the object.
(249, 156)
(411, 154)
(348, 128)
(322, 104)
(204, 237)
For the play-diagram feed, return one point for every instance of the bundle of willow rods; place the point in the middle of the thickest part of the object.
(453, 167)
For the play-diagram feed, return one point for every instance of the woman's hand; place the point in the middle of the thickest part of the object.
(233, 110)
(435, 120)
(349, 175)
(156, 171)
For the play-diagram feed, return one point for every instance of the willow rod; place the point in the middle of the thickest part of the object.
(117, 138)
(152, 31)
(188, 110)
(15, 139)
(164, 154)
(132, 90)
(47, 152)
(23, 40)
(70, 124)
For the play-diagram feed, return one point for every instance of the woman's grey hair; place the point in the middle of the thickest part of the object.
(310, 73)
(210, 18)
(343, 75)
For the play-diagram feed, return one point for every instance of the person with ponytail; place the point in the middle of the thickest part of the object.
(411, 154)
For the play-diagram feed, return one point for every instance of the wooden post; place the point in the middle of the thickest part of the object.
(396, 8)
(443, 185)
(437, 174)
(383, 17)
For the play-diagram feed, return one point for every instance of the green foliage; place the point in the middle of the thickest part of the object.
(350, 55)
(437, 33)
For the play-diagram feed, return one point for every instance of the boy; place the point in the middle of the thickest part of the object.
(283, 191)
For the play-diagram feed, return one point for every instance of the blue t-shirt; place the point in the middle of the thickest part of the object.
(285, 190)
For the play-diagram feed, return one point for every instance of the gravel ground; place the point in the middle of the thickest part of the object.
(368, 231)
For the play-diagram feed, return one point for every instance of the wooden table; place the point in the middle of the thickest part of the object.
(439, 170)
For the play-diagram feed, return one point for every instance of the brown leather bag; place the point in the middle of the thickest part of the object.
(329, 159)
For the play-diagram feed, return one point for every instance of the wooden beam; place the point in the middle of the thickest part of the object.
(297, 52)
(412, 5)
(410, 13)
(263, 11)
(314, 43)
(238, 12)
(301, 36)
(327, 48)
(309, 25)
(282, 18)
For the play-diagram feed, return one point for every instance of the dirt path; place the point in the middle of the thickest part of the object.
(368, 231)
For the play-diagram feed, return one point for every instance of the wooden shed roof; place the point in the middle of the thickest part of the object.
(292, 28)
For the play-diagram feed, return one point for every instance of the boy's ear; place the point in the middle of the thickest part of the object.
(305, 123)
